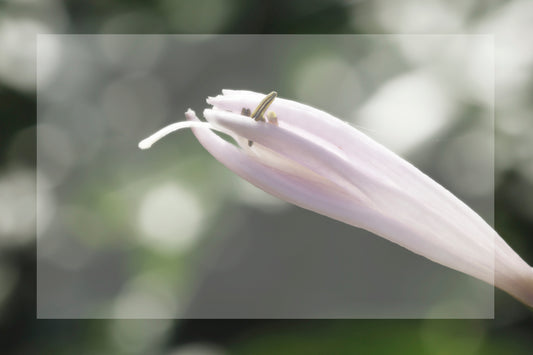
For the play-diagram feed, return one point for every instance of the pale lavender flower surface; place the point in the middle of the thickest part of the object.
(318, 162)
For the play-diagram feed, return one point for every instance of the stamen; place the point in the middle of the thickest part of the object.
(272, 118)
(263, 106)
(260, 110)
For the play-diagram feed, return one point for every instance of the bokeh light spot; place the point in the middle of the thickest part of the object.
(406, 111)
(170, 218)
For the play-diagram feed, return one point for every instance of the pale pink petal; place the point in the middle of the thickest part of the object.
(439, 226)
(428, 229)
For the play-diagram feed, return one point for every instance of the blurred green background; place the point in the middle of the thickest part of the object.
(21, 333)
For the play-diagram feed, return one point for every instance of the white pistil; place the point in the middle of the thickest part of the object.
(148, 142)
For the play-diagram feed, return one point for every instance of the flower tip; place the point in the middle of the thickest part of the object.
(190, 115)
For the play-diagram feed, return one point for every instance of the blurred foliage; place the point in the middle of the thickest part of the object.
(20, 331)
